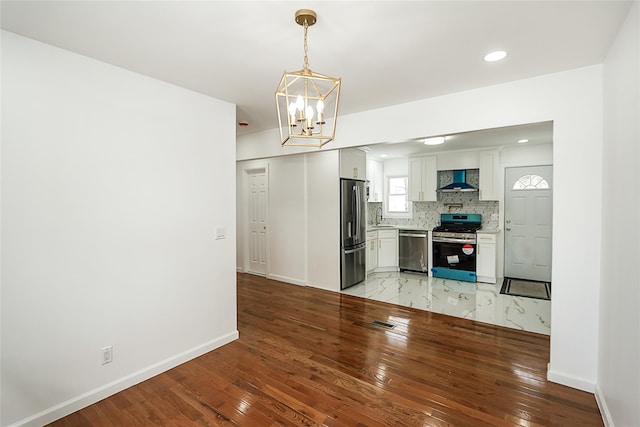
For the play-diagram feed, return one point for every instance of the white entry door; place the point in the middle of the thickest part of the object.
(527, 217)
(258, 191)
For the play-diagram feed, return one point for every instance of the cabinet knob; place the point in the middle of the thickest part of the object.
(507, 229)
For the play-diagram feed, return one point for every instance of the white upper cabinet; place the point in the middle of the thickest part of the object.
(374, 176)
(353, 164)
(423, 179)
(489, 175)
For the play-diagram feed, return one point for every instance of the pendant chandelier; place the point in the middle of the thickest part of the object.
(307, 101)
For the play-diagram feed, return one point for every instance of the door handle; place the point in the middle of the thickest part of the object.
(353, 251)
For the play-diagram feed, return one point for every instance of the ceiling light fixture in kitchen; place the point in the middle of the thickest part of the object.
(437, 140)
(523, 141)
(494, 56)
(307, 101)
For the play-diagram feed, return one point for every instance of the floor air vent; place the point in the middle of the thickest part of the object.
(383, 324)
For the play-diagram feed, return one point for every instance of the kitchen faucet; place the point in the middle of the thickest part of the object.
(379, 208)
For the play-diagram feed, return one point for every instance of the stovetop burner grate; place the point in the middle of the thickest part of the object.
(459, 223)
(458, 228)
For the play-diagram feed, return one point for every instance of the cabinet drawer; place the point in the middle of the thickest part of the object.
(486, 238)
(372, 235)
(387, 234)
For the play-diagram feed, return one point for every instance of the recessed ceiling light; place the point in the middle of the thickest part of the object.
(494, 56)
(434, 141)
(523, 141)
(383, 155)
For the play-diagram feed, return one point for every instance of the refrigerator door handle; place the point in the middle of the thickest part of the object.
(357, 221)
(349, 229)
(352, 251)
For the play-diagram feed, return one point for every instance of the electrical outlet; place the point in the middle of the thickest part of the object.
(107, 355)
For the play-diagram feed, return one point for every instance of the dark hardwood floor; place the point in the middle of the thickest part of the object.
(311, 357)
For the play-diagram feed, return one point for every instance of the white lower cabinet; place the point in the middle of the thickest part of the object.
(387, 250)
(382, 250)
(486, 257)
(372, 251)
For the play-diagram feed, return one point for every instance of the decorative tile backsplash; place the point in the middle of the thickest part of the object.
(426, 215)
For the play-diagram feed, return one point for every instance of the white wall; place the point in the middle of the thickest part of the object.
(286, 218)
(303, 245)
(112, 186)
(618, 389)
(323, 220)
(573, 101)
(395, 167)
(458, 160)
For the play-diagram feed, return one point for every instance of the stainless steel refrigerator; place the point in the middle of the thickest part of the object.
(353, 233)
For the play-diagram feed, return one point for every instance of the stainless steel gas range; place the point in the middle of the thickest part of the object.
(454, 246)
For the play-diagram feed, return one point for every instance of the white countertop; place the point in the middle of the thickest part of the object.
(402, 227)
(393, 227)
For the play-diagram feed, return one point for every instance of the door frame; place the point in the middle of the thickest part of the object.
(248, 170)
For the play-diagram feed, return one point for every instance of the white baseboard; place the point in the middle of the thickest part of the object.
(286, 279)
(75, 404)
(604, 409)
(239, 270)
(570, 381)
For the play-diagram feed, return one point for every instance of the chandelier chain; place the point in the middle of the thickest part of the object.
(306, 48)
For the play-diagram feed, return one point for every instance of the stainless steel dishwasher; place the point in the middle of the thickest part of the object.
(413, 250)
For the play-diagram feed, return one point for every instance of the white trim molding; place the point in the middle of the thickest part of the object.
(604, 409)
(570, 381)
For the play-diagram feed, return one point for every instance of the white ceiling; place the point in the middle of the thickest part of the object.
(387, 52)
(534, 133)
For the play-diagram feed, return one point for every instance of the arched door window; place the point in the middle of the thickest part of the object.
(531, 182)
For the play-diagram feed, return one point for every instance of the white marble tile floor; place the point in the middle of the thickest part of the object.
(476, 301)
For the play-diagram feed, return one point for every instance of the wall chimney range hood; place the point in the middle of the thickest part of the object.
(459, 183)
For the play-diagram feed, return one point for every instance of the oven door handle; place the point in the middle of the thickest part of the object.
(451, 240)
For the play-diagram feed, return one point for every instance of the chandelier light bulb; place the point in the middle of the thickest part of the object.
(320, 108)
(300, 103)
(292, 112)
(309, 116)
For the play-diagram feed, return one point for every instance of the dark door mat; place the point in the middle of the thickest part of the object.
(526, 288)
